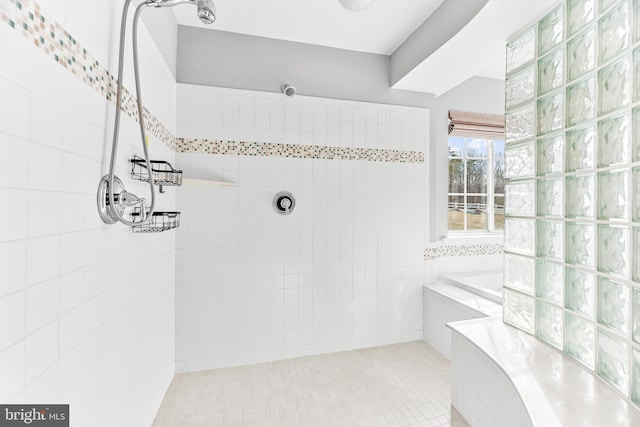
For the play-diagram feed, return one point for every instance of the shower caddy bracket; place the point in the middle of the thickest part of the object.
(121, 197)
(149, 222)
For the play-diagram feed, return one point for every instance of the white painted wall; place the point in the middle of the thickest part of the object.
(240, 61)
(344, 271)
(450, 17)
(163, 28)
(86, 309)
(478, 95)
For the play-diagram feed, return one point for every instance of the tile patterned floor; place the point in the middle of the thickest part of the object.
(396, 385)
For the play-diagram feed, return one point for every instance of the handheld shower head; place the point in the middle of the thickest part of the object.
(206, 8)
(206, 11)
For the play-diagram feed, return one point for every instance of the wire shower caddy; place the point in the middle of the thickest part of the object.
(156, 223)
(163, 174)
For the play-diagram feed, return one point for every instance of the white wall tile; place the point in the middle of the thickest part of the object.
(57, 258)
(42, 304)
(13, 266)
(71, 331)
(45, 213)
(13, 222)
(48, 78)
(14, 173)
(71, 290)
(17, 63)
(70, 375)
(303, 120)
(46, 122)
(38, 354)
(72, 248)
(12, 371)
(45, 167)
(44, 388)
(74, 174)
(43, 259)
(14, 119)
(284, 287)
(12, 316)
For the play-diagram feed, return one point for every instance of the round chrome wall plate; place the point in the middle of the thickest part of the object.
(104, 210)
(284, 203)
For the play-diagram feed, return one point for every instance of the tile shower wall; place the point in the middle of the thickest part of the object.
(343, 271)
(86, 310)
(572, 239)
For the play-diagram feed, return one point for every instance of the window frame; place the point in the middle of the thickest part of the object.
(489, 193)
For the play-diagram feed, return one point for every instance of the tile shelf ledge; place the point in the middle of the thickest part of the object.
(555, 390)
(212, 182)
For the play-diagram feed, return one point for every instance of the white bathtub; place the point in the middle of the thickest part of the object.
(459, 296)
(487, 284)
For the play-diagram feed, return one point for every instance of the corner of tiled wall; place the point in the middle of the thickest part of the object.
(343, 271)
(86, 309)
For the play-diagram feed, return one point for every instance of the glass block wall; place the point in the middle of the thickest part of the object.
(572, 228)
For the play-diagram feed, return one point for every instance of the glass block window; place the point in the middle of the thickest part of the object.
(572, 186)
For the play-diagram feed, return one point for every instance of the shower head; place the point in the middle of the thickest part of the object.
(288, 90)
(206, 8)
(206, 11)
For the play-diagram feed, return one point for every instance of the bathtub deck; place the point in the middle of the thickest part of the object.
(468, 299)
(444, 303)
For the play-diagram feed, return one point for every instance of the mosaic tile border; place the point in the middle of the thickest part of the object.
(463, 250)
(26, 17)
(241, 148)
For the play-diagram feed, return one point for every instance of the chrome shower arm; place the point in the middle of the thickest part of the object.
(206, 8)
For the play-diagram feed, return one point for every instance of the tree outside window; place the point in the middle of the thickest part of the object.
(476, 184)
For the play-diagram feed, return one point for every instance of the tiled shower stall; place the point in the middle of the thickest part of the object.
(344, 270)
(89, 312)
(572, 234)
(98, 317)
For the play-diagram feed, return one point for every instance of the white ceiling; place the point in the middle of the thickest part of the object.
(477, 50)
(379, 29)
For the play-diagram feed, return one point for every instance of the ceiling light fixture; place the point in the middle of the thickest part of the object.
(356, 5)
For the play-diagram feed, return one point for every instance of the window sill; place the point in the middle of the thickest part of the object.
(465, 237)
